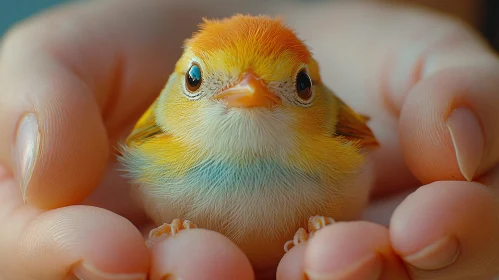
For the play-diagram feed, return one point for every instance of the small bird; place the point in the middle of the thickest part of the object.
(246, 140)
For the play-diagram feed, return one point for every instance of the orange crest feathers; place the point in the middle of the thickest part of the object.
(266, 36)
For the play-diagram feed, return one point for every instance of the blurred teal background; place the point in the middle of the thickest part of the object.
(12, 11)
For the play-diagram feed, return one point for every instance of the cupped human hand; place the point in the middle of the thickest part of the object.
(73, 80)
(431, 86)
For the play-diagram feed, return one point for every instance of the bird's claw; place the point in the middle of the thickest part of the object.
(315, 223)
(166, 230)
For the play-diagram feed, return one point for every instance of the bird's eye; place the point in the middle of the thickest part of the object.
(303, 85)
(193, 78)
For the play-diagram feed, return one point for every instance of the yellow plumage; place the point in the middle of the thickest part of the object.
(245, 139)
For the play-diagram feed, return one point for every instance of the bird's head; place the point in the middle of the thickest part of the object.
(247, 83)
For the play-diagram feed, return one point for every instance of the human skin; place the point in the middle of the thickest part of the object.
(87, 71)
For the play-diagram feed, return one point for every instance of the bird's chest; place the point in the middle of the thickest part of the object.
(247, 177)
(217, 187)
(233, 197)
(244, 199)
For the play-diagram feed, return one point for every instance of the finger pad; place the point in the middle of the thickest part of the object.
(462, 209)
(292, 264)
(82, 233)
(425, 139)
(185, 255)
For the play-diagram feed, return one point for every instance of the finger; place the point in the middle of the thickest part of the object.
(350, 250)
(409, 69)
(53, 126)
(73, 77)
(291, 266)
(448, 230)
(449, 116)
(199, 254)
(88, 242)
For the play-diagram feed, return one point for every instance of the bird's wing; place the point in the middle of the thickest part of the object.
(145, 128)
(353, 126)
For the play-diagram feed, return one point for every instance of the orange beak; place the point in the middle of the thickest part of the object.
(249, 93)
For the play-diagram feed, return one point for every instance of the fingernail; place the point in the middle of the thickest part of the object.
(26, 150)
(438, 255)
(368, 268)
(468, 139)
(85, 271)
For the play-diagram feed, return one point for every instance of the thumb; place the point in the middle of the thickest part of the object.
(448, 121)
(67, 84)
(53, 137)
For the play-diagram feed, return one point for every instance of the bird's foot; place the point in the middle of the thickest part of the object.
(315, 223)
(166, 230)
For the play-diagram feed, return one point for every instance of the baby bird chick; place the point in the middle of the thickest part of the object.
(246, 140)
